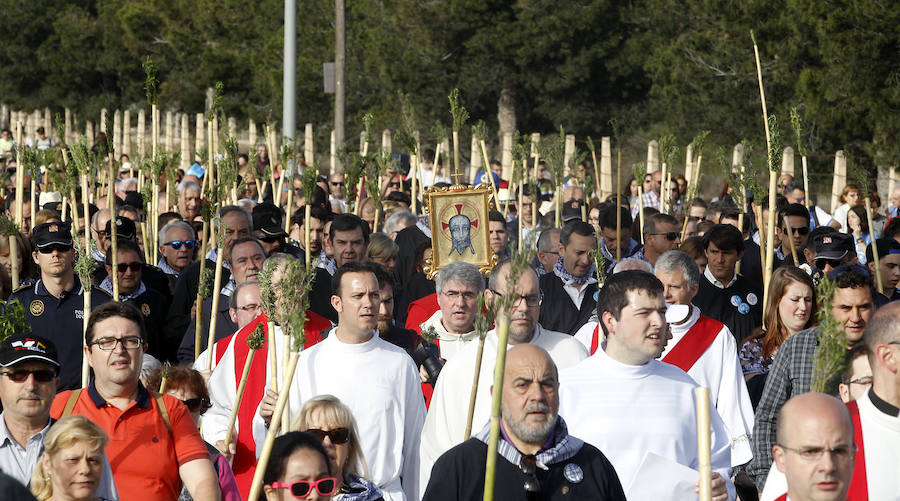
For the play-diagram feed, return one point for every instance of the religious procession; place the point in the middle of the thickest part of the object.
(199, 304)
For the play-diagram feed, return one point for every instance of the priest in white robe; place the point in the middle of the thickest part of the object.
(374, 378)
(458, 285)
(706, 350)
(628, 404)
(446, 422)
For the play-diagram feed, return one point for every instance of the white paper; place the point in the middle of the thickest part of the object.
(661, 479)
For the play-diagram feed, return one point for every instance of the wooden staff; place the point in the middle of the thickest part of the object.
(536, 196)
(154, 222)
(596, 172)
(20, 178)
(85, 367)
(286, 382)
(198, 315)
(214, 310)
(273, 357)
(491, 465)
(34, 205)
(773, 179)
(14, 260)
(487, 168)
(762, 246)
(113, 244)
(208, 179)
(875, 257)
(664, 189)
(703, 443)
(640, 215)
(790, 239)
(521, 200)
(255, 342)
(805, 181)
(413, 179)
(154, 127)
(619, 209)
(474, 394)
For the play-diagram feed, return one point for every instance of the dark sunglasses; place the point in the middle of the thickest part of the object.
(528, 465)
(834, 263)
(802, 230)
(197, 404)
(20, 375)
(55, 247)
(176, 244)
(134, 267)
(670, 235)
(338, 436)
(303, 488)
(336, 184)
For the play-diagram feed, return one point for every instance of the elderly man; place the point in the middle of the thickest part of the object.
(705, 349)
(28, 381)
(348, 236)
(189, 200)
(661, 234)
(446, 422)
(154, 446)
(627, 403)
(547, 251)
(852, 304)
(98, 233)
(54, 304)
(568, 288)
(458, 285)
(815, 449)
(245, 258)
(533, 434)
(367, 373)
(177, 242)
(336, 192)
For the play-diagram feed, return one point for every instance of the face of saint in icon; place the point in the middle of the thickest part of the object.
(460, 234)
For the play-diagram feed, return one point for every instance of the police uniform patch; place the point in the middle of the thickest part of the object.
(145, 309)
(573, 473)
(36, 308)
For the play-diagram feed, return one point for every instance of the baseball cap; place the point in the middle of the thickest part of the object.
(267, 220)
(571, 211)
(833, 245)
(125, 228)
(46, 234)
(20, 347)
(885, 246)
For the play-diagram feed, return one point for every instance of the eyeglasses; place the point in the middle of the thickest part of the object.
(55, 247)
(336, 184)
(134, 267)
(528, 465)
(249, 307)
(197, 404)
(100, 233)
(670, 235)
(338, 436)
(834, 263)
(841, 453)
(453, 295)
(531, 300)
(176, 244)
(864, 380)
(20, 375)
(302, 488)
(109, 343)
(802, 230)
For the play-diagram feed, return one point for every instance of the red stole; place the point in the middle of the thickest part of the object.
(244, 461)
(859, 490)
(421, 310)
(595, 339)
(782, 497)
(696, 340)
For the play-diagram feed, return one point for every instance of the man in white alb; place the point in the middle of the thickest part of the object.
(458, 285)
(374, 378)
(446, 422)
(705, 349)
(626, 403)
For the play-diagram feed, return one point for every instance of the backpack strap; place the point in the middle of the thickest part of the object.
(163, 412)
(70, 403)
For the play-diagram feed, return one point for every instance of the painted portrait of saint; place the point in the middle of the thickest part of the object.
(461, 234)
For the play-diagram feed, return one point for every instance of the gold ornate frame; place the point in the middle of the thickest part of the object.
(442, 204)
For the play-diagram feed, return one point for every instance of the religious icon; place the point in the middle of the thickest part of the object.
(458, 216)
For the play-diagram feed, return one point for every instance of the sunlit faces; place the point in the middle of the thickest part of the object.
(859, 381)
(7, 262)
(526, 306)
(576, 254)
(181, 257)
(58, 263)
(189, 203)
(349, 245)
(659, 242)
(800, 235)
(30, 398)
(75, 470)
(358, 303)
(722, 263)
(303, 464)
(119, 366)
(499, 238)
(530, 400)
(795, 306)
(890, 271)
(246, 260)
(459, 305)
(676, 289)
(852, 307)
(128, 271)
(639, 334)
(852, 198)
(236, 225)
(609, 238)
(337, 453)
(248, 307)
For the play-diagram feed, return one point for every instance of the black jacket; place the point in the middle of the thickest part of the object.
(739, 306)
(558, 312)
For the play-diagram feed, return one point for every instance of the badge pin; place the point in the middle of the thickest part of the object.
(573, 473)
(145, 309)
(744, 308)
(752, 299)
(735, 300)
(36, 307)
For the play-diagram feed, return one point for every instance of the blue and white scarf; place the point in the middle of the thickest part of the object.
(107, 285)
(567, 277)
(564, 446)
(164, 266)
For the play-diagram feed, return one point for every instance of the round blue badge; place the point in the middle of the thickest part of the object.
(573, 473)
(596, 295)
(735, 300)
(744, 308)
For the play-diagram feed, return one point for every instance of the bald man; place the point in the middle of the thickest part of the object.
(536, 450)
(815, 448)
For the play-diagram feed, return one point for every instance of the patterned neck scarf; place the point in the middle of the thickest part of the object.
(107, 285)
(565, 276)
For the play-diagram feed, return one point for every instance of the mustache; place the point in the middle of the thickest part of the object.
(538, 407)
(30, 396)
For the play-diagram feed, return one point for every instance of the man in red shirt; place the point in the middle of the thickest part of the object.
(154, 445)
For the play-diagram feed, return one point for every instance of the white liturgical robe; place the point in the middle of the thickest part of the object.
(445, 425)
(627, 411)
(719, 369)
(450, 344)
(380, 385)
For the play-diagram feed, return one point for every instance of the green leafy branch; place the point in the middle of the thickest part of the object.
(552, 150)
(407, 133)
(457, 111)
(8, 227)
(797, 126)
(295, 285)
(12, 319)
(776, 144)
(479, 130)
(216, 104)
(151, 81)
(832, 341)
(257, 339)
(484, 322)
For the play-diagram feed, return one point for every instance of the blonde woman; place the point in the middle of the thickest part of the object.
(382, 250)
(329, 419)
(72, 462)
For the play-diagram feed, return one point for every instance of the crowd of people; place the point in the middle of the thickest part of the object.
(623, 313)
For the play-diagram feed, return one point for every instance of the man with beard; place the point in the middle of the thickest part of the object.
(533, 434)
(394, 334)
(625, 402)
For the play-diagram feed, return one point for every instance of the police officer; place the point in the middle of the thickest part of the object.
(54, 305)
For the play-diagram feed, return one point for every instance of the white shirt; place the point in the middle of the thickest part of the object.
(445, 425)
(627, 411)
(719, 369)
(450, 343)
(576, 294)
(715, 281)
(380, 385)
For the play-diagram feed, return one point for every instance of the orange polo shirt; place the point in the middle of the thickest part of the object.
(143, 455)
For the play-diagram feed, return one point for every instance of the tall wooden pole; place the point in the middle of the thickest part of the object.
(339, 90)
(703, 443)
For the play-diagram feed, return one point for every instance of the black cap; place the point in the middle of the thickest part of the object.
(47, 234)
(20, 347)
(833, 245)
(571, 211)
(268, 224)
(124, 228)
(134, 199)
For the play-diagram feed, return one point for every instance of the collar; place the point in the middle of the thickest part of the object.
(443, 334)
(142, 400)
(41, 290)
(713, 280)
(212, 254)
(883, 406)
(107, 285)
(568, 278)
(610, 256)
(6, 436)
(97, 255)
(229, 287)
(164, 266)
(562, 446)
